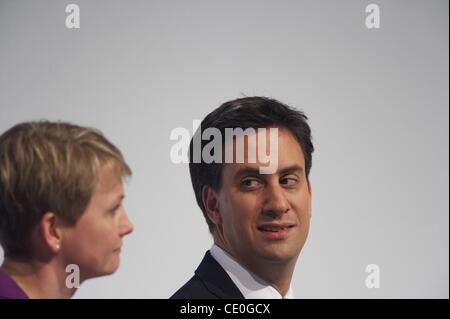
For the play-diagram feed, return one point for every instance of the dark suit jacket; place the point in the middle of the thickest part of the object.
(209, 282)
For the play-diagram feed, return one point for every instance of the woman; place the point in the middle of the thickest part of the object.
(61, 214)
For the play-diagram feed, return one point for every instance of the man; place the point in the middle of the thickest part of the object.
(259, 221)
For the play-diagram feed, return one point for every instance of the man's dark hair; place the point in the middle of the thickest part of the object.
(249, 112)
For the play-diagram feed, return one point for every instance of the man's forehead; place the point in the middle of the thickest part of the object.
(288, 149)
(253, 140)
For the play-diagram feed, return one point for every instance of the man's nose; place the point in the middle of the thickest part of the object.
(275, 203)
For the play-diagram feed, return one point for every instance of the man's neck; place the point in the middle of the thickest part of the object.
(38, 279)
(276, 274)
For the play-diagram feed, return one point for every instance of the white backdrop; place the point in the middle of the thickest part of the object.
(377, 100)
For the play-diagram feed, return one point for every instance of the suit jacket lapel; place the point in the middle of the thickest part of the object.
(216, 279)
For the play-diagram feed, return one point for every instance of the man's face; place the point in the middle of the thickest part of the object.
(95, 241)
(265, 217)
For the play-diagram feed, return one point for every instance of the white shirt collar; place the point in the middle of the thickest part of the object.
(250, 285)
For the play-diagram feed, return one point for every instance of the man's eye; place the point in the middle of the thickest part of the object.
(289, 181)
(250, 183)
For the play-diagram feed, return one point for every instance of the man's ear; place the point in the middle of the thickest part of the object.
(50, 230)
(310, 199)
(309, 188)
(211, 204)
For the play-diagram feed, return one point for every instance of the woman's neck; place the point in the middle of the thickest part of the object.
(38, 279)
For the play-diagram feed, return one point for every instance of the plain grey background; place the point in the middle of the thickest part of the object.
(377, 100)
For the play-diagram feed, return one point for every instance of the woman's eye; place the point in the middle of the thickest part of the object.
(115, 210)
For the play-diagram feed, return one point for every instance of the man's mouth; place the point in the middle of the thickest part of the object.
(276, 231)
(274, 227)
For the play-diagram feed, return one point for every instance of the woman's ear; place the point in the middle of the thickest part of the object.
(211, 204)
(50, 231)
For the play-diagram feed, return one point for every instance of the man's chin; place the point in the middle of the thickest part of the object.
(280, 254)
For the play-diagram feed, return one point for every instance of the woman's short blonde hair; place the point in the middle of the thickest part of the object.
(48, 167)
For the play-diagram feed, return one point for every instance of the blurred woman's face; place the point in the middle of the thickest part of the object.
(95, 241)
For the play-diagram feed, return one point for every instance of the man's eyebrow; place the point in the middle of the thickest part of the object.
(247, 171)
(291, 169)
(255, 171)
